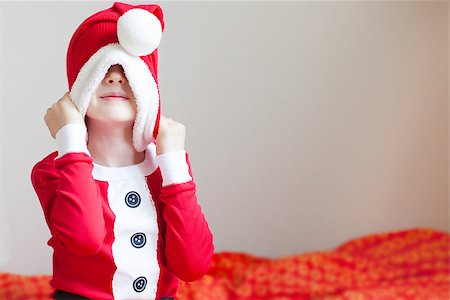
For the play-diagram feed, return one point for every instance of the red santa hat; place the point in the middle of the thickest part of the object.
(128, 35)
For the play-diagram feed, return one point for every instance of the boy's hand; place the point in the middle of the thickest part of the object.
(62, 113)
(171, 136)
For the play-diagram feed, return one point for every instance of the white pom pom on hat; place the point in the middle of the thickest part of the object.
(139, 32)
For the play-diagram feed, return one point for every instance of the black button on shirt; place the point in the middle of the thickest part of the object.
(138, 240)
(132, 199)
(139, 284)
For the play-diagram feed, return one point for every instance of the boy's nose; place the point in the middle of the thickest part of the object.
(115, 76)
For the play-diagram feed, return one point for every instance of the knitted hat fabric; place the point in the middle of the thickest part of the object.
(128, 35)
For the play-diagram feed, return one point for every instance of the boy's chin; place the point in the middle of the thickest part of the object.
(113, 118)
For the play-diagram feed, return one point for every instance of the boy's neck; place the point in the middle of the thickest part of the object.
(111, 145)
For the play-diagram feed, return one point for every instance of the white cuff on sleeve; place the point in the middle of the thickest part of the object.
(71, 138)
(174, 167)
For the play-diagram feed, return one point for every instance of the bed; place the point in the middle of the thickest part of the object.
(406, 264)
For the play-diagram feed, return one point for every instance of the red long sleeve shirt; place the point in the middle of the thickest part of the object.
(120, 233)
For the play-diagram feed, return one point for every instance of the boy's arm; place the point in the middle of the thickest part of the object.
(188, 241)
(69, 196)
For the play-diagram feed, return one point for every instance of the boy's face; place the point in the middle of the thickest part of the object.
(113, 101)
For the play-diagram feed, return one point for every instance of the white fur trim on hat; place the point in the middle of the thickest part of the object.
(139, 32)
(141, 81)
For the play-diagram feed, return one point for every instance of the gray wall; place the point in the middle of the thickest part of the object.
(308, 123)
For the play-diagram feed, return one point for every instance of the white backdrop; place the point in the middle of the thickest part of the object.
(308, 123)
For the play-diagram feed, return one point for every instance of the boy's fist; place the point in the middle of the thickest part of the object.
(171, 136)
(62, 113)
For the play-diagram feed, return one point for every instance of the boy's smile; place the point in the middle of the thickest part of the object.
(114, 96)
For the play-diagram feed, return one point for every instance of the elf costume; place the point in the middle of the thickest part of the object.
(120, 232)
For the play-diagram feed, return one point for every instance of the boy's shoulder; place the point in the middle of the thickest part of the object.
(48, 162)
(43, 170)
(50, 159)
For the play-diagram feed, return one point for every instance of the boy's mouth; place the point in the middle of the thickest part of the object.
(114, 96)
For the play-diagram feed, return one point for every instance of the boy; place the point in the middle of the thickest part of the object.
(118, 195)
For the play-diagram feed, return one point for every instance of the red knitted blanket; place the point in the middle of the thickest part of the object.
(409, 264)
